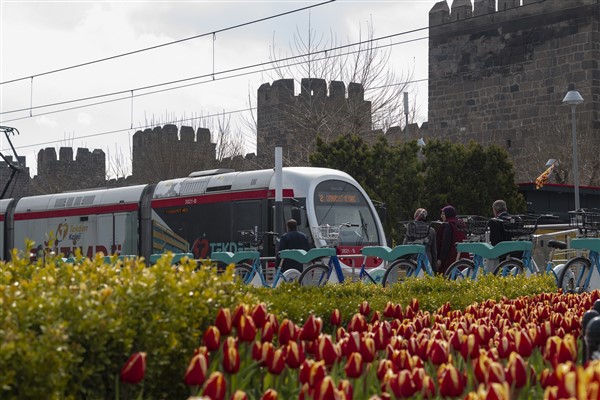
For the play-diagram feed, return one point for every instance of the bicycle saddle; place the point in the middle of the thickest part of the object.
(592, 244)
(488, 251)
(234, 258)
(304, 257)
(387, 254)
(557, 244)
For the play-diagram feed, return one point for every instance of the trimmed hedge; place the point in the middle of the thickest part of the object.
(67, 329)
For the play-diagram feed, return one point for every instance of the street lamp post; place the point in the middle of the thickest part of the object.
(573, 98)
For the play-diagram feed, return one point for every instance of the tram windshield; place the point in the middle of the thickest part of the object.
(338, 202)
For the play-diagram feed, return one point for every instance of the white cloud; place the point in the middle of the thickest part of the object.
(84, 119)
(45, 121)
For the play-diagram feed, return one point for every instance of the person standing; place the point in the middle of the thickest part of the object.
(450, 232)
(293, 239)
(421, 225)
(497, 232)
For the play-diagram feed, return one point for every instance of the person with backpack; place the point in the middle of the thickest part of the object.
(449, 233)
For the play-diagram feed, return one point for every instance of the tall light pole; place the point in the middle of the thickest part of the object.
(573, 98)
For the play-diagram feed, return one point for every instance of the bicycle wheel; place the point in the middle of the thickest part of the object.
(510, 267)
(573, 277)
(460, 269)
(291, 275)
(398, 271)
(241, 273)
(314, 275)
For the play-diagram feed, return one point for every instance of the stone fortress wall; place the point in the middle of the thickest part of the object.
(498, 75)
(498, 71)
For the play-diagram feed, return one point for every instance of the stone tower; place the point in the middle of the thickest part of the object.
(293, 122)
(499, 75)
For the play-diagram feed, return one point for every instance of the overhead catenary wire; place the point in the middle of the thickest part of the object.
(253, 65)
(222, 72)
(168, 43)
(227, 71)
(209, 75)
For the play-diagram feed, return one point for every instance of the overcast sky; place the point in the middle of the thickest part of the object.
(39, 37)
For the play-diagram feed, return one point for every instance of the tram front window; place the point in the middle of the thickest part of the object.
(338, 202)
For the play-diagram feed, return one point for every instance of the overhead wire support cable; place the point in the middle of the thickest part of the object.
(169, 43)
(213, 74)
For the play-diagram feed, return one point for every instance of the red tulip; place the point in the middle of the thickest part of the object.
(402, 385)
(269, 394)
(259, 315)
(456, 339)
(345, 387)
(567, 386)
(231, 360)
(196, 370)
(388, 311)
(450, 381)
(516, 370)
(495, 373)
(246, 329)
(357, 323)
(287, 332)
(304, 372)
(267, 351)
(567, 349)
(257, 350)
(134, 369)
(295, 355)
(212, 338)
(505, 347)
(326, 389)
(327, 350)
(239, 395)
(239, 311)
(375, 317)
(364, 308)
(398, 313)
(267, 333)
(273, 320)
(523, 343)
(215, 386)
(384, 367)
(354, 365)
(414, 304)
(316, 374)
(311, 329)
(427, 387)
(480, 367)
(382, 335)
(336, 318)
(470, 347)
(276, 363)
(224, 321)
(438, 352)
(367, 349)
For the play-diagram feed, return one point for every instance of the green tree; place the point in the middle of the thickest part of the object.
(389, 173)
(469, 177)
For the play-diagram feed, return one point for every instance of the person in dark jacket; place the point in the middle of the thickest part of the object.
(292, 240)
(449, 233)
(496, 224)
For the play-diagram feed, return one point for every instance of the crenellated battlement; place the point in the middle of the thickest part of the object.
(506, 10)
(293, 122)
(498, 72)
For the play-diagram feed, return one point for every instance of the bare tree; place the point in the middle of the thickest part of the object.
(374, 93)
(554, 141)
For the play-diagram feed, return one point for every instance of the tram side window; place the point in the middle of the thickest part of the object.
(247, 215)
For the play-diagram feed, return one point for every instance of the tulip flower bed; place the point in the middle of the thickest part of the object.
(67, 331)
(522, 348)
